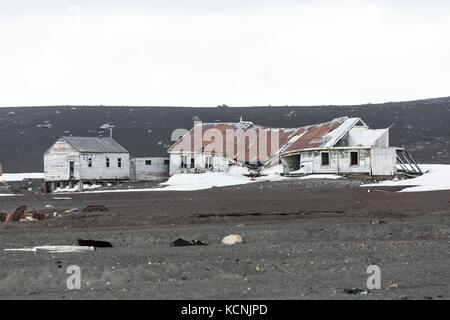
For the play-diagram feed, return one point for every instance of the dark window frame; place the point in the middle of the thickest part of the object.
(351, 158)
(327, 162)
(209, 162)
(183, 161)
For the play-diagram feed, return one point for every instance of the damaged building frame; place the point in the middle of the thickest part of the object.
(343, 145)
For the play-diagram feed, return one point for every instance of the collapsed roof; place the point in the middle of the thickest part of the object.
(290, 140)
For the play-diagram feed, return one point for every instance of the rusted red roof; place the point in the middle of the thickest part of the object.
(218, 136)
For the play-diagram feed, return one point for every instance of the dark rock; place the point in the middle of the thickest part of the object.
(94, 243)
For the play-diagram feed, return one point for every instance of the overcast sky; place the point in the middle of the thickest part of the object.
(237, 52)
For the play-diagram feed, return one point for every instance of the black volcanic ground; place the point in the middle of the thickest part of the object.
(422, 126)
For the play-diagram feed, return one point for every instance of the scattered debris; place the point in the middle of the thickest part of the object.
(364, 292)
(198, 243)
(40, 216)
(57, 215)
(94, 243)
(356, 291)
(181, 243)
(255, 214)
(185, 243)
(95, 207)
(28, 219)
(19, 213)
(392, 286)
(6, 217)
(54, 249)
(232, 239)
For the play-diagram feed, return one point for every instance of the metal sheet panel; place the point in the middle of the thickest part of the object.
(95, 145)
(383, 161)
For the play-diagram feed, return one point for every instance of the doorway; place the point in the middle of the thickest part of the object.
(71, 169)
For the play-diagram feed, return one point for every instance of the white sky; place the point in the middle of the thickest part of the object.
(236, 52)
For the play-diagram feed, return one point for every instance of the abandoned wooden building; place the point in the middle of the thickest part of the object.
(341, 146)
(85, 159)
(192, 154)
(149, 168)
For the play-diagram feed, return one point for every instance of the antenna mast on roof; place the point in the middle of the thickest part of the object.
(111, 127)
(108, 126)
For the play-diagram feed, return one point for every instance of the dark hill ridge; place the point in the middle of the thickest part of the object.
(27, 132)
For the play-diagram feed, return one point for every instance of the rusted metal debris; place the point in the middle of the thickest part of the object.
(21, 215)
(95, 207)
(198, 243)
(6, 217)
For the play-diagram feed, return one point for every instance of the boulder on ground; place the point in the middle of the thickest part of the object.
(232, 239)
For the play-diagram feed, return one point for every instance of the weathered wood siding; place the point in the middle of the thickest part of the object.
(99, 170)
(339, 161)
(219, 163)
(384, 161)
(57, 164)
(57, 159)
(158, 170)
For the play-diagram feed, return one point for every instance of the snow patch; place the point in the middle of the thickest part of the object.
(321, 176)
(66, 189)
(272, 173)
(20, 176)
(201, 181)
(437, 177)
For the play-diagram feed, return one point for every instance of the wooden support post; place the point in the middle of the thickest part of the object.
(413, 170)
(400, 161)
(412, 160)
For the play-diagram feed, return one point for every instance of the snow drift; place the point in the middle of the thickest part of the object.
(436, 177)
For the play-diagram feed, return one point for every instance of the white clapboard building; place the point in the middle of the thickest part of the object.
(86, 159)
